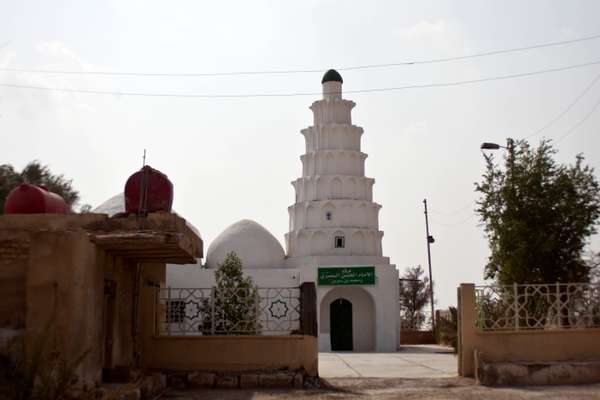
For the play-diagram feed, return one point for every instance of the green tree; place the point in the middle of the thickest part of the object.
(36, 174)
(414, 296)
(594, 264)
(235, 301)
(537, 215)
(447, 327)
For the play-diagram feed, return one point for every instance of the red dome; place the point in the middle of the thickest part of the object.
(150, 190)
(32, 199)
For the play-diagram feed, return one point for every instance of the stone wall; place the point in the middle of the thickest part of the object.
(14, 255)
(53, 280)
(65, 289)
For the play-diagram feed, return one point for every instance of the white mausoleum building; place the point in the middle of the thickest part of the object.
(333, 240)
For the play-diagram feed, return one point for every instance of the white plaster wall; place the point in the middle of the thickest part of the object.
(343, 213)
(353, 187)
(332, 112)
(385, 300)
(332, 136)
(187, 275)
(320, 242)
(194, 276)
(388, 312)
(375, 325)
(333, 162)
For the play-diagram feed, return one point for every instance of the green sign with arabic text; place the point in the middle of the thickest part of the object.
(333, 276)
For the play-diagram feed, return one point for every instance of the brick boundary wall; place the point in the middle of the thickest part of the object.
(417, 337)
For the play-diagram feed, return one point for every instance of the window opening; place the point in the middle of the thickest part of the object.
(328, 216)
(340, 242)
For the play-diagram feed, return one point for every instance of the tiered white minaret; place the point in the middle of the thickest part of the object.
(334, 214)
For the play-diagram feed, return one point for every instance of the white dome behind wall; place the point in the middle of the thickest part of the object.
(256, 246)
(112, 206)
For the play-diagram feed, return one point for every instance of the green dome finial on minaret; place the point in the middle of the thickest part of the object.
(332, 76)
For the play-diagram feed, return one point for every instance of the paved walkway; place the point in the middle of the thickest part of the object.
(421, 361)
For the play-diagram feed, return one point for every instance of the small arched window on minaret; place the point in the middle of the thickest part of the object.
(339, 242)
(328, 215)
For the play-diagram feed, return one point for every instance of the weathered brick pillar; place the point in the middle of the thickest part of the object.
(308, 309)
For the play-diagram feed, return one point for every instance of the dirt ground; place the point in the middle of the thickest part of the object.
(352, 388)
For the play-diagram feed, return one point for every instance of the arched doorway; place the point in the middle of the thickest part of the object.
(362, 322)
(340, 317)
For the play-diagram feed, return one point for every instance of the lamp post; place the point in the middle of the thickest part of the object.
(510, 146)
(430, 240)
(510, 143)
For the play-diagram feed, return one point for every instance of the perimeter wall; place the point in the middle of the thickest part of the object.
(510, 346)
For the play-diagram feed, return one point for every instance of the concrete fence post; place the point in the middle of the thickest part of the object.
(516, 304)
(155, 310)
(308, 309)
(459, 344)
(558, 305)
(213, 299)
(169, 311)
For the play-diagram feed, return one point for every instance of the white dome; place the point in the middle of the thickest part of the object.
(254, 245)
(112, 206)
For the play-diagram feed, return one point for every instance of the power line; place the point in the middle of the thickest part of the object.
(579, 123)
(257, 95)
(476, 55)
(569, 107)
(568, 133)
(301, 71)
(587, 88)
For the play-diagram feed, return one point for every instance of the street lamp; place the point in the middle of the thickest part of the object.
(495, 146)
(510, 146)
(490, 146)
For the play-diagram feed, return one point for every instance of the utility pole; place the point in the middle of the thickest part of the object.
(430, 240)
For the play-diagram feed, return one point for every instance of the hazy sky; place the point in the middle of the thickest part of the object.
(235, 158)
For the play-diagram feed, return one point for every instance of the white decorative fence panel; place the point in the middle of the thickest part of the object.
(209, 311)
(548, 306)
